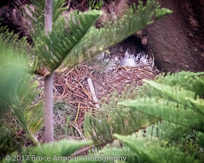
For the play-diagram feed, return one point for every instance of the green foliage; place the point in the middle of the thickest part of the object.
(103, 125)
(96, 4)
(151, 150)
(7, 143)
(98, 40)
(35, 15)
(174, 98)
(67, 32)
(61, 148)
(170, 111)
(169, 100)
(172, 103)
(52, 152)
(13, 67)
(17, 91)
(187, 80)
(62, 40)
(28, 113)
(165, 131)
(75, 39)
(201, 138)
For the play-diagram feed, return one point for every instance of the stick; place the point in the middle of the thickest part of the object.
(78, 131)
(77, 113)
(92, 90)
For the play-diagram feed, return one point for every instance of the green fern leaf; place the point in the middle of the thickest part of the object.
(170, 111)
(15, 75)
(187, 80)
(165, 131)
(152, 151)
(67, 34)
(104, 124)
(61, 148)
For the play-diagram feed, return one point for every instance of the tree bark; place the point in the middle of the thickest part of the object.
(48, 81)
(48, 109)
(48, 16)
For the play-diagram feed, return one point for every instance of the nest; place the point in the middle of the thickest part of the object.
(72, 87)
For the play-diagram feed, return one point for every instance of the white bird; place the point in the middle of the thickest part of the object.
(128, 60)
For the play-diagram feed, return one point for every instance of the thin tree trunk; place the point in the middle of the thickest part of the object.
(48, 81)
(48, 16)
(48, 109)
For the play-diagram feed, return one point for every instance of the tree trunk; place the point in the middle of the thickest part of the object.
(48, 109)
(48, 16)
(48, 81)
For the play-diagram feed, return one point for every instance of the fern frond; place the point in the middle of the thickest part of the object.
(67, 34)
(120, 154)
(13, 66)
(58, 9)
(104, 124)
(112, 118)
(61, 148)
(35, 14)
(151, 150)
(52, 152)
(198, 104)
(170, 99)
(178, 94)
(165, 131)
(16, 90)
(167, 110)
(7, 143)
(29, 115)
(187, 80)
(109, 155)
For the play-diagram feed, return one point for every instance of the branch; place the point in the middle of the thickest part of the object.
(91, 87)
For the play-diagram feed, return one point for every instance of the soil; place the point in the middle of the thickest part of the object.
(176, 41)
